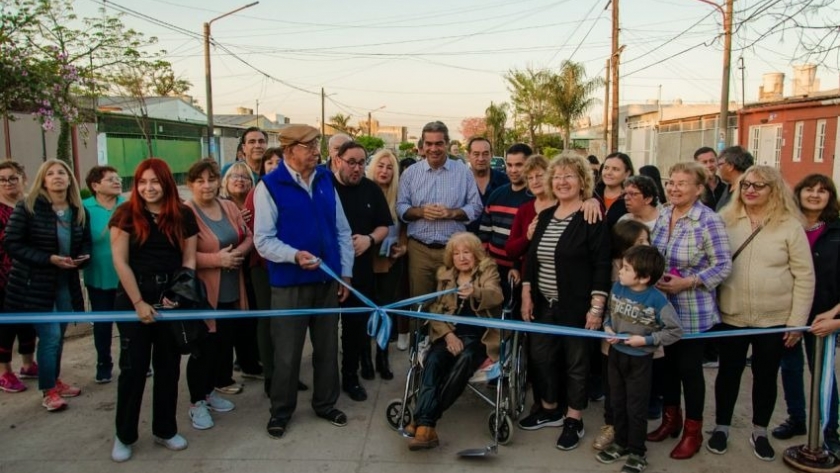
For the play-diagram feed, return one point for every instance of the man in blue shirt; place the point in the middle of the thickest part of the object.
(437, 198)
(487, 179)
(299, 224)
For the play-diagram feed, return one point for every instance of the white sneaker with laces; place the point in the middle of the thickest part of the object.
(200, 416)
(121, 452)
(218, 403)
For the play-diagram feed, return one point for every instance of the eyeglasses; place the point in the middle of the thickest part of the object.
(632, 194)
(535, 178)
(240, 177)
(11, 180)
(680, 184)
(564, 177)
(758, 186)
(359, 164)
(313, 145)
(114, 179)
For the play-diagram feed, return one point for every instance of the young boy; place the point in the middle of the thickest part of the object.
(639, 310)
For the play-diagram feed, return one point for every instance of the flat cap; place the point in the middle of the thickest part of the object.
(297, 133)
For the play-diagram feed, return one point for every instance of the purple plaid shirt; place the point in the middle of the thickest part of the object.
(698, 246)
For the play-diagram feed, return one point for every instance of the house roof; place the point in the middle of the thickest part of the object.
(823, 96)
(245, 121)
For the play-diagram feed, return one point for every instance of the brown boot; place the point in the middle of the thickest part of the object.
(690, 442)
(670, 427)
(424, 438)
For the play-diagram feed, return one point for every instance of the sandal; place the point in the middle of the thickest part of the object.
(230, 389)
(334, 416)
(612, 453)
(635, 464)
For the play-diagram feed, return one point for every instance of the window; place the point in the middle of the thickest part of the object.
(797, 141)
(819, 142)
(755, 133)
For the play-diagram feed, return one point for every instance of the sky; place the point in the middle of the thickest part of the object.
(414, 62)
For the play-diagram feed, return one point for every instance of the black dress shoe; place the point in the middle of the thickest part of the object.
(789, 429)
(302, 387)
(355, 391)
(276, 427)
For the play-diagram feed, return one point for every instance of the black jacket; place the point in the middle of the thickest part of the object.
(30, 241)
(582, 260)
(617, 209)
(826, 252)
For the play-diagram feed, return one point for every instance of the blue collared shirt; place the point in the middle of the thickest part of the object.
(265, 227)
(451, 185)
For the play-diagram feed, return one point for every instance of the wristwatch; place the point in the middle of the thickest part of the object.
(372, 241)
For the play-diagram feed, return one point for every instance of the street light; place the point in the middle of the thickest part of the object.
(370, 121)
(207, 78)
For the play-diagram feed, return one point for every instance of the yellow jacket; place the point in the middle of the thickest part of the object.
(486, 301)
(772, 280)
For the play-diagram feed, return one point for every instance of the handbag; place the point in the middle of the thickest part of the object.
(746, 242)
(189, 293)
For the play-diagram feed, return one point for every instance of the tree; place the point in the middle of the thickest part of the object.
(473, 126)
(495, 117)
(570, 97)
(529, 94)
(371, 143)
(341, 123)
(64, 57)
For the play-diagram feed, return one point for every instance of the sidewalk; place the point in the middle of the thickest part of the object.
(80, 438)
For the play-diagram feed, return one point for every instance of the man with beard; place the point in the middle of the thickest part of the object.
(253, 143)
(714, 187)
(487, 179)
(499, 211)
(437, 198)
(369, 217)
(299, 223)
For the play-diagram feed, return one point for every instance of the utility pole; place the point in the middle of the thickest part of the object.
(614, 58)
(257, 114)
(370, 130)
(723, 129)
(211, 144)
(323, 117)
(607, 120)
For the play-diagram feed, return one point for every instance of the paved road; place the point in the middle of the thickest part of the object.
(79, 439)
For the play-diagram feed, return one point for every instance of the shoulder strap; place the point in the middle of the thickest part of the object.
(746, 242)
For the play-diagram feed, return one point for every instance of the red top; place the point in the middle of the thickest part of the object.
(518, 242)
(5, 260)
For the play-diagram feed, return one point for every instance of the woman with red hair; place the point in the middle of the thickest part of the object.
(153, 235)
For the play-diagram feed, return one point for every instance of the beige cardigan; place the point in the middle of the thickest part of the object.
(772, 280)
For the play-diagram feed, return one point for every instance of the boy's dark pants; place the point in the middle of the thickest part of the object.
(629, 381)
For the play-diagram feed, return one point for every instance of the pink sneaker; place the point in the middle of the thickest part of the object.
(65, 390)
(53, 401)
(10, 383)
(30, 373)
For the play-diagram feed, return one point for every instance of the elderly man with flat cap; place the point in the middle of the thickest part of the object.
(299, 224)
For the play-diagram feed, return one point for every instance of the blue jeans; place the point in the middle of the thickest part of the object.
(50, 345)
(793, 371)
(102, 300)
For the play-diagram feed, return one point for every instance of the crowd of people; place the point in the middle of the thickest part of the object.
(725, 245)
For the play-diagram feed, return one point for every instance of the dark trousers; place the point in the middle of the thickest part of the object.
(288, 335)
(262, 301)
(227, 332)
(390, 287)
(767, 352)
(354, 336)
(609, 415)
(793, 372)
(245, 343)
(201, 366)
(629, 379)
(142, 345)
(545, 350)
(445, 377)
(684, 374)
(25, 334)
(102, 300)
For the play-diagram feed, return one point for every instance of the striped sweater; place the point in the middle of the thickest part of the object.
(497, 220)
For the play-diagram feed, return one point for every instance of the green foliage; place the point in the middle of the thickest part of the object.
(371, 143)
(85, 193)
(406, 146)
(341, 122)
(529, 95)
(571, 96)
(495, 118)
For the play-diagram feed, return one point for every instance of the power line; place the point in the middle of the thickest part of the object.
(594, 4)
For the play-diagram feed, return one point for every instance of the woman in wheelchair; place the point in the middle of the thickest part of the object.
(457, 350)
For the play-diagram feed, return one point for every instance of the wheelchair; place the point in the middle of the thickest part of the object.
(500, 385)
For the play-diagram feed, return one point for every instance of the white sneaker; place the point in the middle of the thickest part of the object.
(200, 416)
(402, 342)
(121, 452)
(177, 442)
(218, 403)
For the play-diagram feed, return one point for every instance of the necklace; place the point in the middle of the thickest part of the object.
(815, 226)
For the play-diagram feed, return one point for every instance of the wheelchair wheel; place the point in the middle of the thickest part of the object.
(517, 382)
(505, 430)
(392, 414)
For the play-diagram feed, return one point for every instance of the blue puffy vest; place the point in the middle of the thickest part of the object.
(305, 223)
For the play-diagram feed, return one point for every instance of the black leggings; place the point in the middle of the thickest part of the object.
(25, 334)
(684, 374)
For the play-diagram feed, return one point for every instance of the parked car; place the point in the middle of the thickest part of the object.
(498, 163)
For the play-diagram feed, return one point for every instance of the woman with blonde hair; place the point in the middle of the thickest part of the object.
(456, 350)
(566, 283)
(771, 286)
(236, 183)
(48, 239)
(388, 264)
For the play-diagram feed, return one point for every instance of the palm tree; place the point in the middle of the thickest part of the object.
(341, 123)
(571, 97)
(496, 117)
(529, 94)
